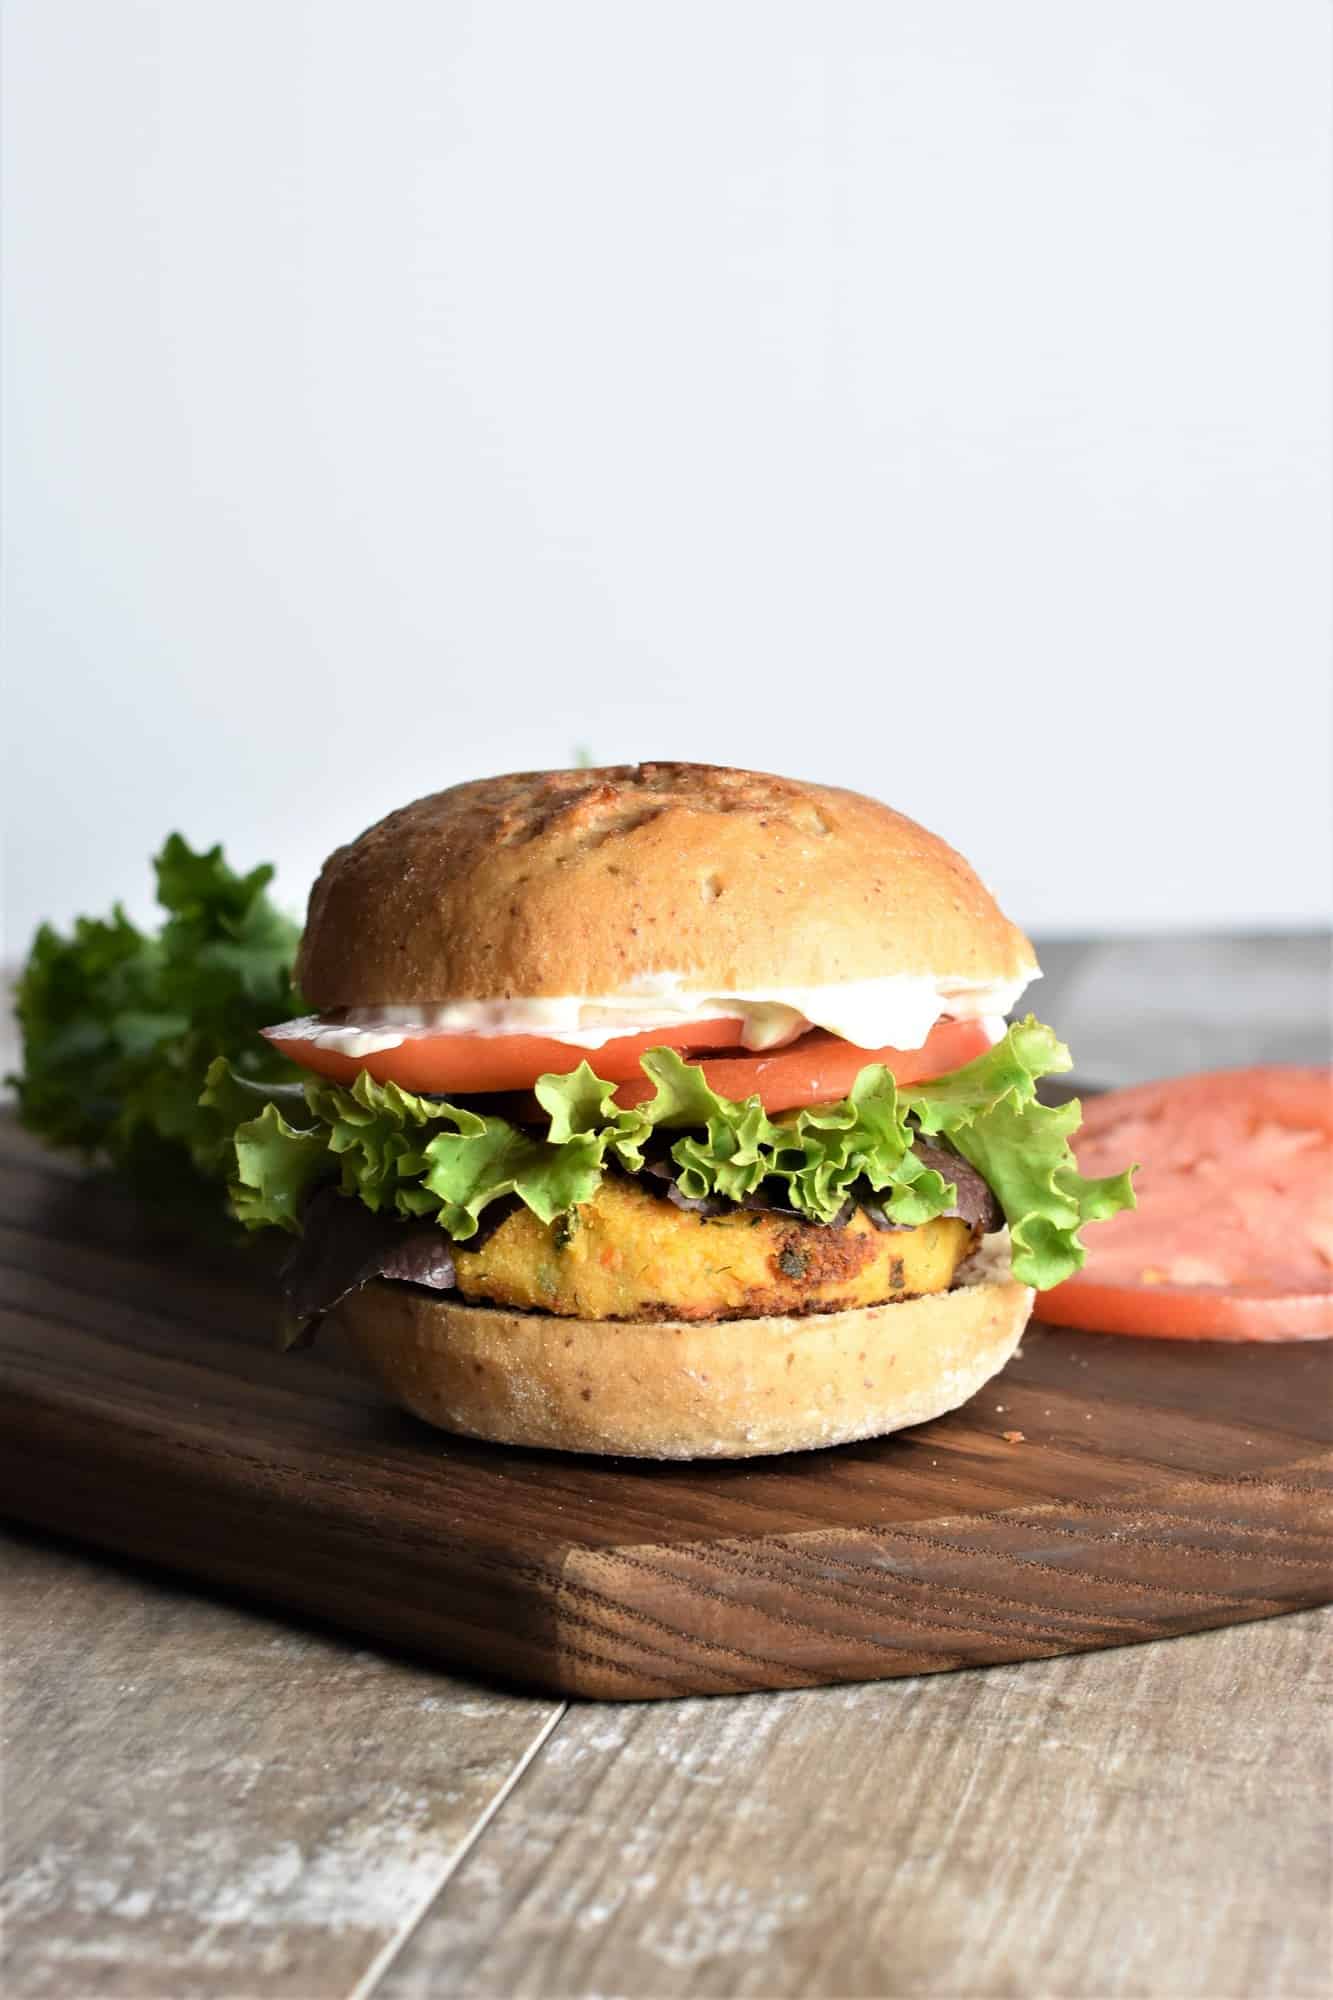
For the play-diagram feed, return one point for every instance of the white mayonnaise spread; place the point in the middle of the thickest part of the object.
(895, 1012)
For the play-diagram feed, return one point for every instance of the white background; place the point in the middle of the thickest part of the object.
(930, 396)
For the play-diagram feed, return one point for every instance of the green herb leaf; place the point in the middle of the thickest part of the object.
(120, 1027)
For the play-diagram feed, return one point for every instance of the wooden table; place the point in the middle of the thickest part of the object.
(203, 1800)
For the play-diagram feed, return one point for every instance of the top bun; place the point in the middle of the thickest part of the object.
(579, 882)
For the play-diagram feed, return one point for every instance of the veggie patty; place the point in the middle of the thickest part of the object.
(628, 1254)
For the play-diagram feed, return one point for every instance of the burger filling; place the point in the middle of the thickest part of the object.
(627, 1254)
(690, 1183)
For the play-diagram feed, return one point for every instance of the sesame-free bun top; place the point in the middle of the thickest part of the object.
(580, 882)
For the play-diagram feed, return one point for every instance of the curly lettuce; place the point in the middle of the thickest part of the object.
(120, 1026)
(424, 1158)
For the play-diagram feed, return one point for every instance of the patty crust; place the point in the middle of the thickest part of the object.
(628, 1254)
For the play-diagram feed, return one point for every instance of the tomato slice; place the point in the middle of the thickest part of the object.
(820, 1067)
(1233, 1235)
(814, 1069)
(474, 1064)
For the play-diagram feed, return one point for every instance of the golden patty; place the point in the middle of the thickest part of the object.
(627, 1254)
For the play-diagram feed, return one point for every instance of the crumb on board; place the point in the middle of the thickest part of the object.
(1013, 1437)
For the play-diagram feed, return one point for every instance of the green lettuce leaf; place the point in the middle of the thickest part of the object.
(393, 1150)
(422, 1157)
(120, 1026)
(989, 1112)
(582, 1104)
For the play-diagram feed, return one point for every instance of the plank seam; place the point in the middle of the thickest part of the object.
(389, 1951)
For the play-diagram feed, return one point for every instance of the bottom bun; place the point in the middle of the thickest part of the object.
(736, 1388)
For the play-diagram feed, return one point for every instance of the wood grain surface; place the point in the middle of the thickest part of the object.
(1155, 1489)
(202, 1802)
(1153, 1821)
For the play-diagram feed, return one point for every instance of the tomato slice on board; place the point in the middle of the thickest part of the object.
(474, 1064)
(1233, 1235)
(820, 1067)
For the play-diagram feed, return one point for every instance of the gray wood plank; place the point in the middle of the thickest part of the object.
(1138, 1007)
(203, 1802)
(1149, 1822)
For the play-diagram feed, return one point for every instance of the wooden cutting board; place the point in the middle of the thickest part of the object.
(1156, 1488)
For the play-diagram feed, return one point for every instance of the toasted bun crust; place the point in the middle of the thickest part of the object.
(685, 1389)
(577, 882)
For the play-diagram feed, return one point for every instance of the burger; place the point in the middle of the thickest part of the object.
(667, 1110)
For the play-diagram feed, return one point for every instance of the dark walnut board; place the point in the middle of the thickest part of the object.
(1158, 1488)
